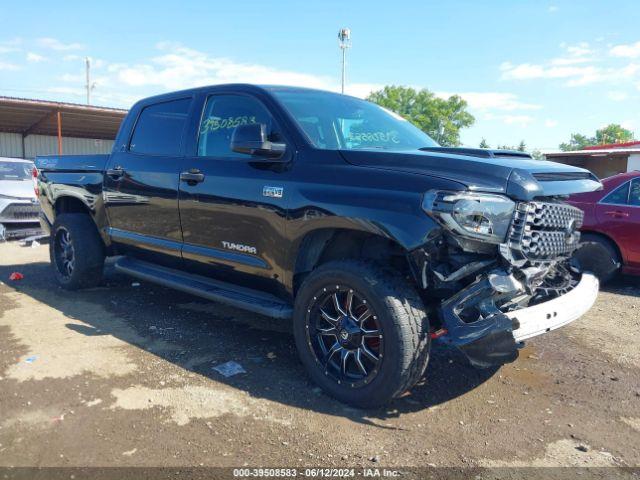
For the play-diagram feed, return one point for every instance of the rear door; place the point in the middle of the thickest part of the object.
(619, 216)
(141, 182)
(233, 218)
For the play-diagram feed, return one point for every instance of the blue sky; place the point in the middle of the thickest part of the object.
(532, 70)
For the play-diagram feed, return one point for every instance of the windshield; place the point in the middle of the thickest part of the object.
(15, 170)
(333, 122)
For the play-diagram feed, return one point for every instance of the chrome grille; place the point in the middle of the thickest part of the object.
(21, 212)
(543, 231)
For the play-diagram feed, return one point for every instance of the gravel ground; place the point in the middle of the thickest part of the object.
(122, 375)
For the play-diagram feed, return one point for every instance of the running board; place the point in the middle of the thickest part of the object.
(241, 297)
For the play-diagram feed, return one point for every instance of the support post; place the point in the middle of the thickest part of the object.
(59, 115)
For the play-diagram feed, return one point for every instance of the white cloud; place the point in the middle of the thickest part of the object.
(8, 66)
(631, 50)
(71, 57)
(617, 96)
(181, 67)
(8, 46)
(492, 101)
(519, 120)
(575, 75)
(55, 44)
(549, 123)
(34, 57)
(579, 65)
(552, 8)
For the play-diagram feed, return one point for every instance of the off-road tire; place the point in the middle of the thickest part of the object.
(402, 319)
(598, 255)
(88, 249)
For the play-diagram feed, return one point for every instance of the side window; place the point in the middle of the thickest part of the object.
(619, 196)
(222, 114)
(634, 194)
(159, 128)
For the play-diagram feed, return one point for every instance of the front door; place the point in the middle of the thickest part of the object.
(233, 213)
(619, 215)
(141, 183)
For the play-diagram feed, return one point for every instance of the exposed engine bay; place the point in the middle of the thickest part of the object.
(472, 283)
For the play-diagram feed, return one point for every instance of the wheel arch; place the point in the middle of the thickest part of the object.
(323, 245)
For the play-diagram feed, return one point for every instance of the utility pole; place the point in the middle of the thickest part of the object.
(89, 86)
(344, 38)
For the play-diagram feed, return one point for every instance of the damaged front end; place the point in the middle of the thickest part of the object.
(500, 271)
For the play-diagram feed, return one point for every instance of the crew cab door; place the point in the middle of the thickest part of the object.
(619, 216)
(233, 205)
(141, 182)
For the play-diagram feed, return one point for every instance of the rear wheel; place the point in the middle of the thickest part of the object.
(361, 332)
(598, 255)
(76, 251)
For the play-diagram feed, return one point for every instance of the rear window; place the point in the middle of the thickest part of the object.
(159, 128)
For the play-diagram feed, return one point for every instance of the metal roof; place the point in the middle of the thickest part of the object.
(594, 152)
(28, 117)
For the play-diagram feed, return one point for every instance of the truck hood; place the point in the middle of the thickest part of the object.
(515, 174)
(17, 188)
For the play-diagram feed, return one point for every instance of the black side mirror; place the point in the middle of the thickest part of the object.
(252, 140)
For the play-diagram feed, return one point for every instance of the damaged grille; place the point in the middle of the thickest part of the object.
(542, 232)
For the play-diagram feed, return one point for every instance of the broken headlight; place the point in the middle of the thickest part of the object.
(481, 216)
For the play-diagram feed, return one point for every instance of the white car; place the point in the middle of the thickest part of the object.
(19, 207)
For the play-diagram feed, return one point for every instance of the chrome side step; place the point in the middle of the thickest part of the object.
(217, 291)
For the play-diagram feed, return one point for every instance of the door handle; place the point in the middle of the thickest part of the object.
(116, 172)
(192, 177)
(617, 214)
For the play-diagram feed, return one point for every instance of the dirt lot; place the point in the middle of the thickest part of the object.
(122, 375)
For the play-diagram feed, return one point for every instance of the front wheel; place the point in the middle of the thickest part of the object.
(76, 251)
(361, 332)
(598, 255)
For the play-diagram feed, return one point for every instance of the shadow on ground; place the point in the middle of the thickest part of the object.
(201, 334)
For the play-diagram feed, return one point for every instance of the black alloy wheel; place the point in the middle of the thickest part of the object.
(63, 252)
(345, 336)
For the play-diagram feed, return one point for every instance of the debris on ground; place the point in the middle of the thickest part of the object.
(271, 355)
(31, 359)
(229, 369)
(16, 276)
(582, 448)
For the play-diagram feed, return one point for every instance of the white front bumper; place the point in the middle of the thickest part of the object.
(558, 312)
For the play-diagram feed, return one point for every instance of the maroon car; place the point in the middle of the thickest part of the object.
(611, 229)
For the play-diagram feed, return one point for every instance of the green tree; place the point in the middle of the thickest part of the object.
(577, 142)
(612, 133)
(522, 147)
(442, 119)
(484, 144)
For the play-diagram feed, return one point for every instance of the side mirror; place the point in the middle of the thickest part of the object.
(252, 140)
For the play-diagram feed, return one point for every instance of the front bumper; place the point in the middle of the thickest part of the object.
(494, 340)
(547, 316)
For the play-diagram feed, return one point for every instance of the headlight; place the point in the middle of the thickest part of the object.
(482, 216)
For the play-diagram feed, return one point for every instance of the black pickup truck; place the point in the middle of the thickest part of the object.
(335, 214)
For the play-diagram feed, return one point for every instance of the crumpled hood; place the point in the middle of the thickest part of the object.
(518, 176)
(17, 188)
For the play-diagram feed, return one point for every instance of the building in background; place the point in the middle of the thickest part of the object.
(39, 127)
(603, 160)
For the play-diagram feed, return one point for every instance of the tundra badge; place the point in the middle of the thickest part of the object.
(275, 192)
